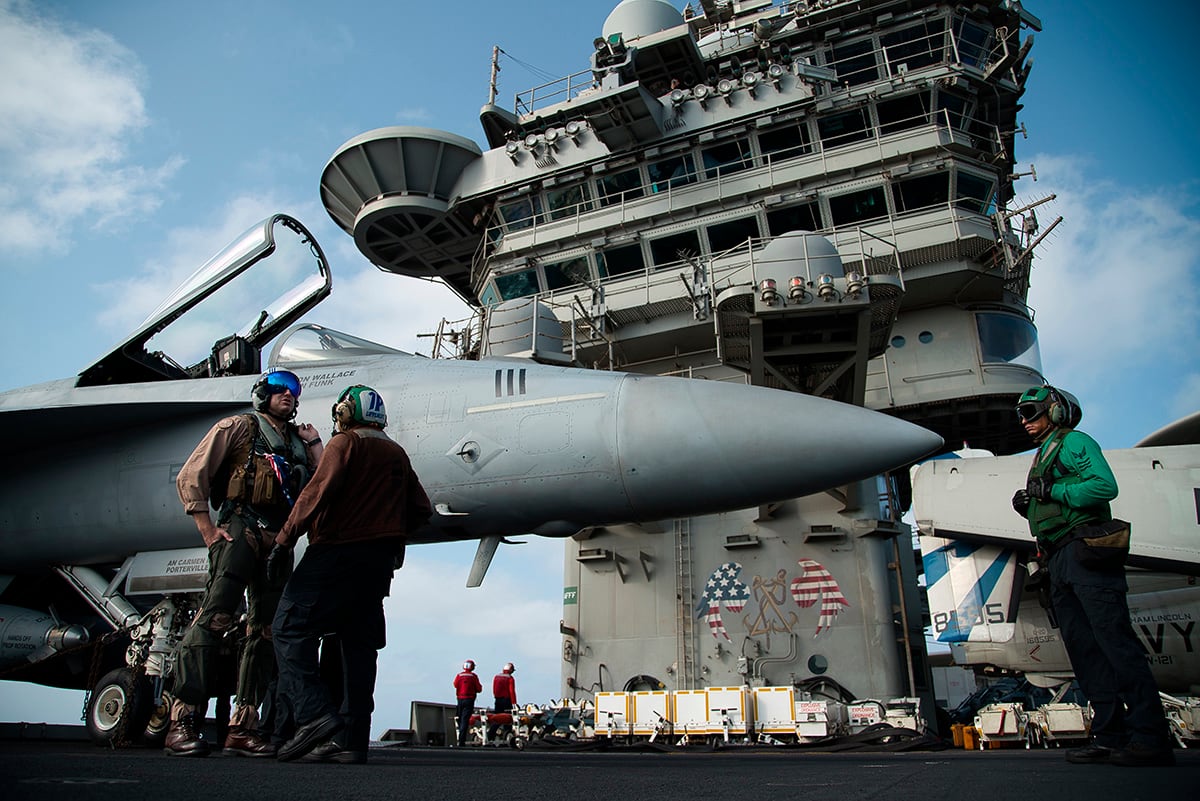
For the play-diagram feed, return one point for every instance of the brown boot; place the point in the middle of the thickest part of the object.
(247, 743)
(183, 738)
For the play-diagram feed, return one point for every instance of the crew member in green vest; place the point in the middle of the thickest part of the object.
(1067, 494)
(250, 468)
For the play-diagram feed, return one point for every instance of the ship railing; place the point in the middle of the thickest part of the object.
(662, 287)
(727, 178)
(742, 264)
(948, 46)
(458, 339)
(557, 91)
(712, 370)
(870, 246)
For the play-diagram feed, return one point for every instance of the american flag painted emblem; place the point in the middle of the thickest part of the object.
(724, 586)
(817, 582)
(280, 466)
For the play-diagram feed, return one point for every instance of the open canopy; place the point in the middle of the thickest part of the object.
(189, 334)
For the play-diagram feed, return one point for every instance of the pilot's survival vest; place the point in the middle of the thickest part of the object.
(266, 474)
(1049, 521)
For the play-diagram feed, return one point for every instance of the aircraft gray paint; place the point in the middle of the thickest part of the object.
(503, 447)
(974, 548)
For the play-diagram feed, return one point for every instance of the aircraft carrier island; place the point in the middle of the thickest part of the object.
(812, 196)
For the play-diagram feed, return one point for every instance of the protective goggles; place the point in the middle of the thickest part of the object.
(280, 381)
(1028, 412)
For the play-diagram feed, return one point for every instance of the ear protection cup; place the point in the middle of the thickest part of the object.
(1057, 413)
(361, 405)
(259, 397)
(343, 410)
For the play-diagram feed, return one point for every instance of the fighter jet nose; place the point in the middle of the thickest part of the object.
(721, 446)
(918, 441)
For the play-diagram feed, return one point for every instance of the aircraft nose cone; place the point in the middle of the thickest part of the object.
(689, 446)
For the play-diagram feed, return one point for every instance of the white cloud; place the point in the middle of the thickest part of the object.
(126, 302)
(70, 106)
(367, 302)
(414, 116)
(1118, 280)
(380, 306)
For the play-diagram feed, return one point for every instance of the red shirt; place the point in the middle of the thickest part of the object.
(466, 685)
(504, 686)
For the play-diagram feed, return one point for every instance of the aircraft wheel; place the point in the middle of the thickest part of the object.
(155, 733)
(119, 705)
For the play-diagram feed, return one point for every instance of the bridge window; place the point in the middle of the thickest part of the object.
(522, 213)
(855, 62)
(726, 235)
(674, 248)
(954, 107)
(972, 42)
(671, 172)
(568, 201)
(566, 273)
(1009, 339)
(620, 187)
(804, 217)
(866, 204)
(842, 129)
(726, 158)
(910, 111)
(620, 260)
(921, 192)
(974, 193)
(917, 46)
(785, 142)
(517, 285)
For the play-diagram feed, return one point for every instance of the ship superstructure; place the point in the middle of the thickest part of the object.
(813, 196)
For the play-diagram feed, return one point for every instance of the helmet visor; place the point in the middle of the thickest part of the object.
(1028, 412)
(282, 381)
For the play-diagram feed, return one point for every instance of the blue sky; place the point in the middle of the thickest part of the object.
(138, 137)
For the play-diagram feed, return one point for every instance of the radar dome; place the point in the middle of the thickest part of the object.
(635, 18)
(800, 247)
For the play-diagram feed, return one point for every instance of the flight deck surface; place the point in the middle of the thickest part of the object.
(74, 770)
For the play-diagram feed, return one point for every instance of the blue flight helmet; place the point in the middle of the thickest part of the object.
(275, 383)
(361, 405)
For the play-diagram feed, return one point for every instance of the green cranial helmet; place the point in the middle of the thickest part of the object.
(1061, 407)
(360, 405)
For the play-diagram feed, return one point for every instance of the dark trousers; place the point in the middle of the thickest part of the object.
(466, 706)
(236, 570)
(1109, 661)
(335, 590)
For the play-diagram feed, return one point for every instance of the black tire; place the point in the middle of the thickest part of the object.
(119, 706)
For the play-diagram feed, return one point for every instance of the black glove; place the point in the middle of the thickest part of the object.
(278, 561)
(1039, 488)
(1020, 502)
(1039, 576)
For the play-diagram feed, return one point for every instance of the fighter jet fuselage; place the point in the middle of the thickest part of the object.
(94, 538)
(503, 447)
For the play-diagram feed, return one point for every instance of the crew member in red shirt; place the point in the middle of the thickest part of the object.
(466, 687)
(505, 688)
